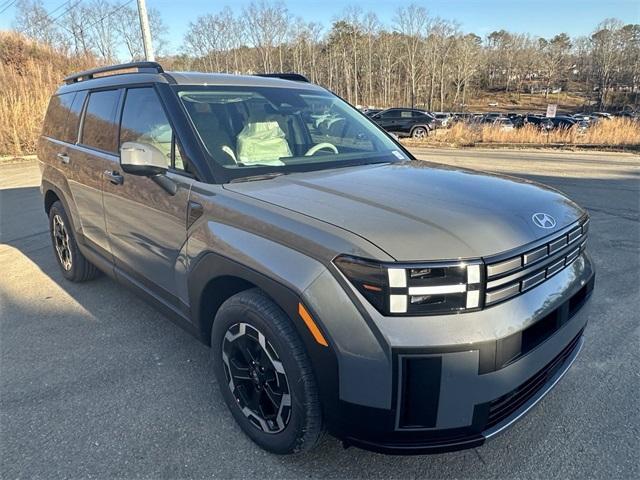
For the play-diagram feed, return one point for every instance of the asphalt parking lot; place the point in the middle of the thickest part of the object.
(95, 383)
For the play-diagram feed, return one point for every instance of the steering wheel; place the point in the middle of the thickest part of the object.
(321, 146)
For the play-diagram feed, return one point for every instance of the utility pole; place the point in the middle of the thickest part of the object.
(146, 31)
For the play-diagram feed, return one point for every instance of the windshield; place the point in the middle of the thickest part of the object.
(245, 128)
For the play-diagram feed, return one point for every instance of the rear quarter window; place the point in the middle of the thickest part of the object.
(99, 128)
(73, 118)
(55, 123)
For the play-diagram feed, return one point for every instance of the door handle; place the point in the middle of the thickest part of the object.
(114, 177)
(63, 157)
(194, 212)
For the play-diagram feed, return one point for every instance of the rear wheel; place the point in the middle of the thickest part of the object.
(264, 374)
(419, 132)
(72, 263)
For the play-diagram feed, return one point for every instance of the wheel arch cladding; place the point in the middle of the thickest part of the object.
(232, 277)
(53, 193)
(50, 197)
(215, 278)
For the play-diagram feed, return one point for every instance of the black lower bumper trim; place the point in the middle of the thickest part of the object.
(418, 448)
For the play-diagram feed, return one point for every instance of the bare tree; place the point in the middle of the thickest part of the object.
(76, 22)
(128, 26)
(606, 55)
(102, 29)
(370, 26)
(266, 29)
(412, 23)
(466, 60)
(33, 20)
(554, 57)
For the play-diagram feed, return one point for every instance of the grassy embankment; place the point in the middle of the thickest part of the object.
(29, 74)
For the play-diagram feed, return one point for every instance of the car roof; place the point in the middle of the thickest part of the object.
(187, 78)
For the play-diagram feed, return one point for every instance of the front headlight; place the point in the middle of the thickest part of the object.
(416, 289)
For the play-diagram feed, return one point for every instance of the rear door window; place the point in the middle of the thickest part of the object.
(389, 114)
(100, 129)
(56, 118)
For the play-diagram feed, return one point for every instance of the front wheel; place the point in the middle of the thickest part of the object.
(265, 374)
(419, 132)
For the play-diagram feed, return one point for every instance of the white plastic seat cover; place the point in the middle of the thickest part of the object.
(262, 142)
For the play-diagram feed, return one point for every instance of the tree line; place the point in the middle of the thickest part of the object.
(414, 60)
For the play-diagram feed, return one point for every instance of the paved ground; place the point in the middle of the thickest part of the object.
(95, 383)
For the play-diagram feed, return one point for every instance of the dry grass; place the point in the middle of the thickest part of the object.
(29, 74)
(615, 132)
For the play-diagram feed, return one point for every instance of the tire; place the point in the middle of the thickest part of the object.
(239, 321)
(420, 132)
(73, 265)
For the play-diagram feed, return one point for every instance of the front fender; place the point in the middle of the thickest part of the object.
(280, 272)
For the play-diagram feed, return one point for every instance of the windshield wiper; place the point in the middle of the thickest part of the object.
(254, 178)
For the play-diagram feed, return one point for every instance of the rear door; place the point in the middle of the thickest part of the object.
(405, 121)
(88, 159)
(146, 224)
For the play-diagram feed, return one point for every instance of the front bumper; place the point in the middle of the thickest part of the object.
(429, 385)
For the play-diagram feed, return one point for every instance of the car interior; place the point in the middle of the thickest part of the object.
(249, 128)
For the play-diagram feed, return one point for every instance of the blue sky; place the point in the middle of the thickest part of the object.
(538, 17)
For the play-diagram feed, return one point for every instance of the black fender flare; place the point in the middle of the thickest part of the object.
(211, 266)
(47, 186)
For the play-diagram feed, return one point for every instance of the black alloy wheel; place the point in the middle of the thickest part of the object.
(256, 378)
(61, 242)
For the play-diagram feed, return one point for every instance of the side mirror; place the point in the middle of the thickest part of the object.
(142, 159)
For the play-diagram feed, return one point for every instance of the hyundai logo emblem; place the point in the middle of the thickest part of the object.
(543, 220)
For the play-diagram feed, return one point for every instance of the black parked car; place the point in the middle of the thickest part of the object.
(563, 122)
(543, 123)
(406, 122)
(517, 119)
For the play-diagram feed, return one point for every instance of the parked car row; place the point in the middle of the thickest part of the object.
(417, 123)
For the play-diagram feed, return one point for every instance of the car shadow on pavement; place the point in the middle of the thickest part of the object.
(95, 382)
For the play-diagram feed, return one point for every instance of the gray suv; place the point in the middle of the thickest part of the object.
(402, 306)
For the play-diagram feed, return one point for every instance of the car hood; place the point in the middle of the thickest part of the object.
(419, 210)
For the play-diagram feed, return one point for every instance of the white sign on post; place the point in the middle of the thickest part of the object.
(552, 108)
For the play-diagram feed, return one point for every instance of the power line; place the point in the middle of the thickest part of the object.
(66, 11)
(109, 14)
(8, 6)
(57, 8)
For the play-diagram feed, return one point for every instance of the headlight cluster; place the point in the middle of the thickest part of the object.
(416, 289)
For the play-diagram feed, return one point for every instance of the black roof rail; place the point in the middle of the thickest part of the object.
(143, 67)
(296, 77)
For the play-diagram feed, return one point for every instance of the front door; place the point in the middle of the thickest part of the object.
(387, 120)
(145, 223)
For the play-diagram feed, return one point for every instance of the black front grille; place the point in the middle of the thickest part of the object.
(501, 408)
(515, 273)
